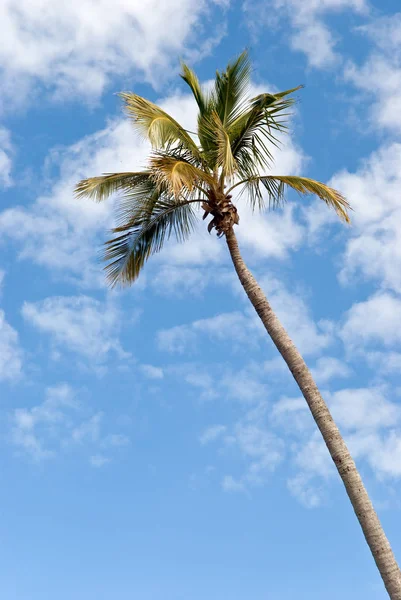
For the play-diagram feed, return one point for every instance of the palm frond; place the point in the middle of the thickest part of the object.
(225, 158)
(100, 188)
(231, 86)
(177, 173)
(156, 125)
(257, 125)
(144, 236)
(275, 187)
(190, 77)
(137, 202)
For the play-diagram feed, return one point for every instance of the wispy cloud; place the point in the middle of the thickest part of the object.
(60, 423)
(79, 323)
(10, 351)
(6, 153)
(310, 34)
(383, 66)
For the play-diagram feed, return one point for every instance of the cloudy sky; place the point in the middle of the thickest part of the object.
(153, 445)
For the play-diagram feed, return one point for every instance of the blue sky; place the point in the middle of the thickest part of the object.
(153, 445)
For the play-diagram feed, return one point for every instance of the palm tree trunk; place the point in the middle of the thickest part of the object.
(368, 519)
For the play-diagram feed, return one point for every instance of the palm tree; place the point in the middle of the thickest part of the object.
(187, 171)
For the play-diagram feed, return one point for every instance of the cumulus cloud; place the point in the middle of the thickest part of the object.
(76, 48)
(375, 320)
(372, 244)
(310, 33)
(383, 66)
(310, 337)
(370, 423)
(61, 233)
(328, 368)
(79, 323)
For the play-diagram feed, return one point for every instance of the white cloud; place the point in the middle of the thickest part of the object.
(115, 440)
(271, 235)
(152, 372)
(383, 66)
(305, 490)
(373, 243)
(10, 351)
(376, 320)
(88, 430)
(80, 323)
(229, 484)
(76, 48)
(310, 34)
(176, 339)
(200, 380)
(310, 337)
(245, 328)
(316, 41)
(244, 385)
(32, 427)
(234, 327)
(291, 416)
(369, 422)
(212, 433)
(172, 280)
(251, 442)
(260, 449)
(60, 232)
(328, 368)
(60, 423)
(384, 363)
(363, 409)
(98, 461)
(384, 454)
(6, 151)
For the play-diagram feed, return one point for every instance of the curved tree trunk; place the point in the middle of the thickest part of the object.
(368, 519)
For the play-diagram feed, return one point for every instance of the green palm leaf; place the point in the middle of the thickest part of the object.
(156, 125)
(231, 89)
(100, 188)
(144, 235)
(256, 127)
(190, 77)
(177, 173)
(275, 187)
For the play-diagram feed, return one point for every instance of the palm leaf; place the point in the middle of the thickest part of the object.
(275, 187)
(127, 253)
(174, 171)
(190, 77)
(100, 188)
(156, 125)
(231, 88)
(225, 158)
(253, 128)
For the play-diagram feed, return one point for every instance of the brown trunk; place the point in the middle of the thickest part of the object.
(367, 517)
